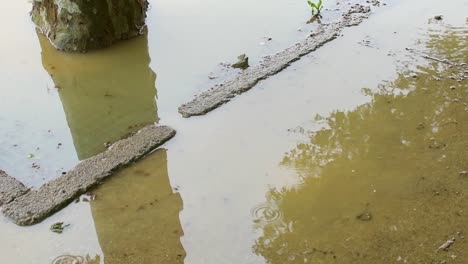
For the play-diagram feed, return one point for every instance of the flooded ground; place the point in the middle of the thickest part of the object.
(385, 182)
(41, 77)
(355, 154)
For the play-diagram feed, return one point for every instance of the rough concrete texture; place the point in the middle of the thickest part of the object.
(36, 205)
(81, 25)
(10, 188)
(223, 93)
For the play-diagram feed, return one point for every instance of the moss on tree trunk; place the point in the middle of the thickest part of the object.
(81, 25)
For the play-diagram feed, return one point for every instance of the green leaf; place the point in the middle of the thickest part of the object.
(316, 6)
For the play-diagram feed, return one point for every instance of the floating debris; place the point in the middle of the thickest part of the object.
(243, 62)
(447, 245)
(91, 196)
(365, 216)
(58, 227)
(374, 2)
(212, 76)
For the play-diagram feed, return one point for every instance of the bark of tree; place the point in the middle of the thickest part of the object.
(82, 25)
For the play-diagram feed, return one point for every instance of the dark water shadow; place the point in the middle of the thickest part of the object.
(106, 94)
(136, 215)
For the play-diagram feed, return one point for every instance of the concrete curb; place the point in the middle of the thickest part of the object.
(224, 92)
(10, 188)
(30, 207)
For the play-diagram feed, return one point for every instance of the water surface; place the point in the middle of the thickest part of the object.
(307, 167)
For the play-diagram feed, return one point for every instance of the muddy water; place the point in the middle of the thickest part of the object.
(54, 119)
(385, 182)
(334, 174)
(145, 215)
(105, 95)
(381, 183)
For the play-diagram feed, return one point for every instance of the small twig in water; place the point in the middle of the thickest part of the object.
(446, 245)
(429, 57)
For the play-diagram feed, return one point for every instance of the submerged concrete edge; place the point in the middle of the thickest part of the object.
(10, 188)
(271, 65)
(30, 207)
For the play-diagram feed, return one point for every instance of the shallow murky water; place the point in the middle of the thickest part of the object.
(385, 182)
(44, 113)
(105, 95)
(145, 216)
(363, 164)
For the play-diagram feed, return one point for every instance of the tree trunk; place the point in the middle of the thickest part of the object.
(82, 25)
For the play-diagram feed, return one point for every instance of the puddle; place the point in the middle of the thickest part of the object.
(385, 182)
(334, 174)
(51, 119)
(105, 96)
(141, 217)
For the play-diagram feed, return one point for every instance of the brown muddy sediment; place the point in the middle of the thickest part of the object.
(224, 92)
(36, 205)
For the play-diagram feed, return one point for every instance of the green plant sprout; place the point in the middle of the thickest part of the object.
(316, 7)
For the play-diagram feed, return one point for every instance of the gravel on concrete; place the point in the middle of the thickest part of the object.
(248, 78)
(36, 205)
